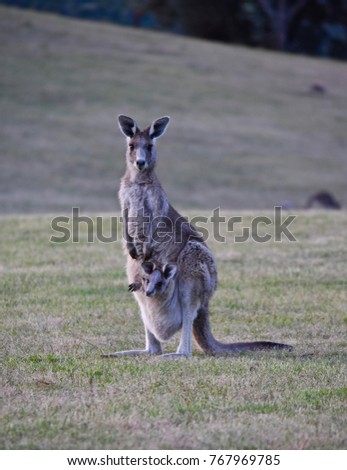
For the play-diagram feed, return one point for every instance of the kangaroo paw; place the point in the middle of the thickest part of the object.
(132, 250)
(134, 287)
(147, 251)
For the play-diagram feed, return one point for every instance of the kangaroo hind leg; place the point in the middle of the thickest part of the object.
(153, 347)
(185, 345)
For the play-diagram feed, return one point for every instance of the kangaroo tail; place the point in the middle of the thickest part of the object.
(208, 343)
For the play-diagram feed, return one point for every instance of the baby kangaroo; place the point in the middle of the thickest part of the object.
(154, 281)
(175, 297)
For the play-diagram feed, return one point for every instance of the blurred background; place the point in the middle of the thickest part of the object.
(314, 27)
(256, 91)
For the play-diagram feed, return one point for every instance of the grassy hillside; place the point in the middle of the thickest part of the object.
(246, 130)
(63, 305)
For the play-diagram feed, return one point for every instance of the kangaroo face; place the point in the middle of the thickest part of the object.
(155, 280)
(141, 151)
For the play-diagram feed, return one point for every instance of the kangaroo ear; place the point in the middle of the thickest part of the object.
(158, 127)
(169, 271)
(127, 125)
(148, 267)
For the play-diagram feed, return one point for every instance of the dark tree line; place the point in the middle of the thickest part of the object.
(314, 27)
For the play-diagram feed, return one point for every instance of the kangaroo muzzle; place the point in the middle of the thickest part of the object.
(140, 164)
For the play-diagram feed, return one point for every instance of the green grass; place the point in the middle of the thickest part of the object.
(246, 131)
(62, 305)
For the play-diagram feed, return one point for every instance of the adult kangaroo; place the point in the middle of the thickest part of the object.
(152, 227)
(178, 260)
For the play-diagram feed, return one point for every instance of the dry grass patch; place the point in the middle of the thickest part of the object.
(62, 305)
(246, 131)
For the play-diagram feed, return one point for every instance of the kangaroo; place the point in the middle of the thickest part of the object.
(320, 200)
(175, 296)
(150, 222)
(188, 277)
(323, 199)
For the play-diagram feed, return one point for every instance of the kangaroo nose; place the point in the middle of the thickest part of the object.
(140, 164)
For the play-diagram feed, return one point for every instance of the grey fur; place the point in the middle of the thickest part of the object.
(172, 281)
(152, 227)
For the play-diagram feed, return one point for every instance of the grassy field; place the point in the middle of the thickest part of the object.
(246, 130)
(62, 305)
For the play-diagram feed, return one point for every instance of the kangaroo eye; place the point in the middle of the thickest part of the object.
(149, 147)
(131, 146)
(159, 285)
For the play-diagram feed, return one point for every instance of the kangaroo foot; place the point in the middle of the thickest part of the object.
(135, 352)
(174, 356)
